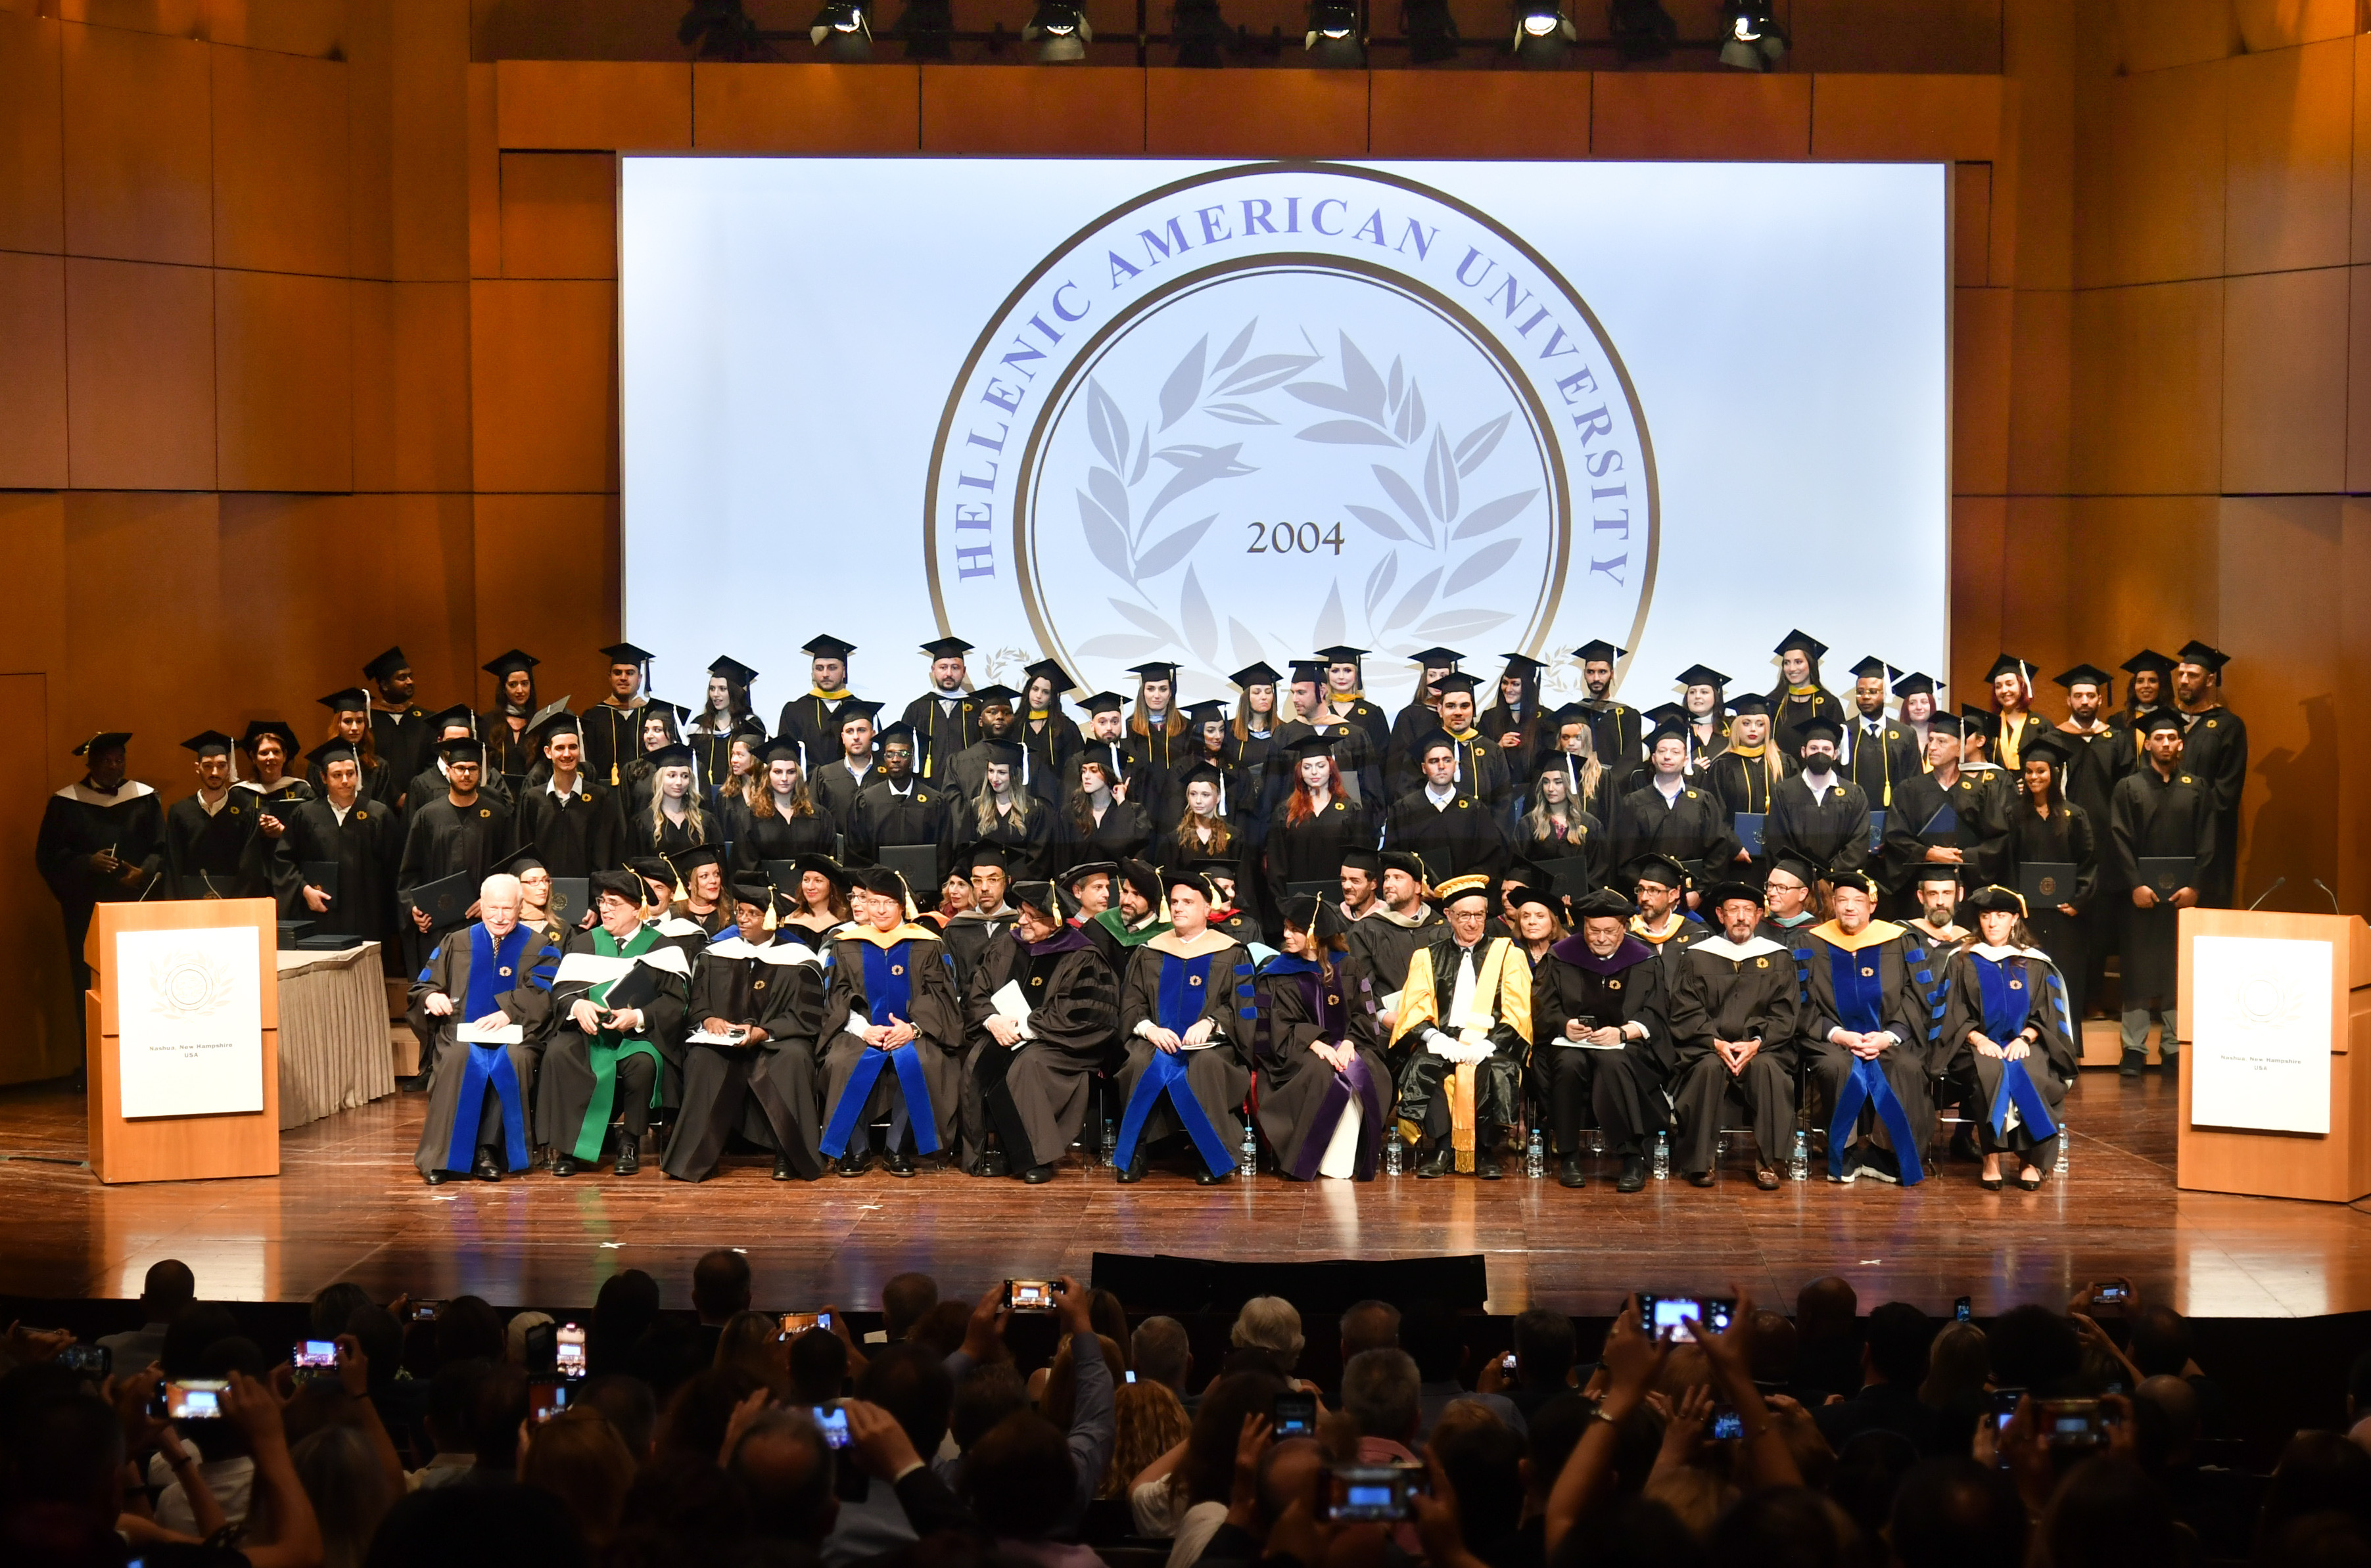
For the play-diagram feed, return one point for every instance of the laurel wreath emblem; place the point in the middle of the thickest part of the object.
(188, 984)
(1442, 550)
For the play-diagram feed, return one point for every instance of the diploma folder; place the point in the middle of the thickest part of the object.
(1568, 877)
(446, 900)
(1875, 831)
(918, 863)
(1749, 830)
(571, 896)
(2046, 884)
(2168, 874)
(322, 874)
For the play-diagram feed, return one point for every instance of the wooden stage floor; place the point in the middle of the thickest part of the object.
(350, 1206)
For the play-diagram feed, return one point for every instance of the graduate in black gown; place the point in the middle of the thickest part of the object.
(1514, 723)
(1735, 1013)
(1040, 1013)
(1944, 816)
(845, 762)
(1866, 1027)
(2161, 812)
(944, 719)
(573, 822)
(1668, 816)
(774, 816)
(1327, 1092)
(206, 834)
(1879, 751)
(2214, 749)
(1419, 719)
(1554, 826)
(1616, 729)
(896, 809)
(1156, 735)
(428, 782)
(485, 979)
(893, 1035)
(1454, 831)
(670, 819)
(1356, 755)
(1385, 938)
(618, 1001)
(2044, 827)
(1187, 1009)
(812, 722)
(1818, 814)
(1051, 739)
(659, 727)
(101, 841)
(1346, 696)
(1799, 698)
(613, 726)
(1104, 736)
(1000, 741)
(273, 793)
(398, 724)
(1602, 1040)
(1314, 822)
(1206, 829)
(464, 833)
(361, 836)
(724, 716)
(1096, 823)
(972, 931)
(2007, 1040)
(1746, 773)
(2099, 752)
(349, 722)
(508, 727)
(1004, 812)
(749, 1063)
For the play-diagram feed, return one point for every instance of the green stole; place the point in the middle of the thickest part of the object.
(1113, 921)
(607, 1048)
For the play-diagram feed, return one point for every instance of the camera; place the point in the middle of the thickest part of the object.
(850, 1483)
(1295, 1415)
(540, 1348)
(1680, 1317)
(1369, 1493)
(95, 1359)
(191, 1399)
(2110, 1293)
(315, 1360)
(1029, 1295)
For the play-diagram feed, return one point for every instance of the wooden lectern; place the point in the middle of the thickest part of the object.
(2334, 1167)
(177, 1149)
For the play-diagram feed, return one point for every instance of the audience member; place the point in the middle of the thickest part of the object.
(903, 1300)
(1827, 1331)
(1432, 1337)
(1892, 1366)
(578, 1458)
(1160, 1352)
(720, 1287)
(1544, 1352)
(1269, 1329)
(167, 1287)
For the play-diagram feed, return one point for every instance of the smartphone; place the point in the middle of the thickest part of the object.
(1679, 1318)
(1130, 1374)
(546, 1396)
(834, 1422)
(95, 1359)
(1726, 1425)
(796, 1323)
(568, 1350)
(191, 1399)
(1368, 1493)
(2074, 1423)
(2003, 1407)
(1295, 1415)
(542, 1347)
(1963, 1308)
(315, 1360)
(2105, 1295)
(847, 1480)
(1507, 1364)
(1029, 1295)
(426, 1312)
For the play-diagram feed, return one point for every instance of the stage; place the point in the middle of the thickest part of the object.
(349, 1206)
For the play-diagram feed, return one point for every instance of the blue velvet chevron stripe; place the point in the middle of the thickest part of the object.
(2016, 1088)
(1937, 992)
(1868, 1086)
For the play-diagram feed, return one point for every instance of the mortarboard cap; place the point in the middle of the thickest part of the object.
(2084, 675)
(1212, 711)
(2147, 661)
(1751, 703)
(626, 654)
(1185, 878)
(1458, 680)
(731, 669)
(1157, 670)
(1720, 893)
(1859, 880)
(259, 728)
(2050, 746)
(1818, 727)
(1407, 861)
(1259, 672)
(1924, 871)
(106, 740)
(1801, 641)
(1795, 866)
(1425, 743)
(1310, 670)
(503, 664)
(1872, 668)
(1660, 870)
(686, 861)
(1974, 720)
(459, 713)
(329, 752)
(1311, 913)
(900, 733)
(984, 853)
(946, 647)
(1043, 897)
(1306, 746)
(1367, 861)
(857, 708)
(621, 884)
(1051, 673)
(2208, 658)
(2157, 718)
(1522, 664)
(1914, 683)
(1200, 773)
(753, 889)
(1436, 658)
(353, 700)
(1086, 869)
(2010, 664)
(827, 646)
(1703, 675)
(208, 743)
(1341, 654)
(462, 748)
(554, 719)
(824, 865)
(519, 861)
(1102, 702)
(997, 695)
(1605, 903)
(1596, 650)
(675, 754)
(1944, 723)
(782, 748)
(386, 664)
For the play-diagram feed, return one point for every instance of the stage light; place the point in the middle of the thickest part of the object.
(1334, 37)
(1059, 30)
(842, 31)
(1542, 30)
(1431, 31)
(1754, 41)
(927, 26)
(1642, 29)
(1199, 33)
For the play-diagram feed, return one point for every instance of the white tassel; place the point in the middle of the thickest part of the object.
(1222, 794)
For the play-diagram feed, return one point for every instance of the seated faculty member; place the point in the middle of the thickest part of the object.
(1603, 1042)
(619, 1000)
(1467, 1006)
(893, 1034)
(1734, 1014)
(1186, 1012)
(1325, 1090)
(1041, 1010)
(1866, 1029)
(483, 983)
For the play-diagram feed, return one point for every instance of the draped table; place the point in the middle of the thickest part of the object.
(334, 1051)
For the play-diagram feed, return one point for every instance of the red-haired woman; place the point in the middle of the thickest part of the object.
(1316, 824)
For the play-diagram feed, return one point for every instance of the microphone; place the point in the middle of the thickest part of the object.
(2278, 882)
(2327, 893)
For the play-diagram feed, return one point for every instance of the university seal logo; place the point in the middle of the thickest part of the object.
(1279, 405)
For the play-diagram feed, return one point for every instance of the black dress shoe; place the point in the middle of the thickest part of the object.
(782, 1172)
(992, 1163)
(630, 1155)
(1486, 1168)
(1633, 1173)
(1437, 1164)
(1206, 1177)
(563, 1165)
(1963, 1143)
(2130, 1064)
(485, 1170)
(1134, 1169)
(897, 1163)
(1700, 1178)
(1568, 1172)
(856, 1162)
(438, 1178)
(1038, 1175)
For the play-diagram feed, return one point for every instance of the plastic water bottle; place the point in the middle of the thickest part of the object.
(1662, 1167)
(1247, 1157)
(1596, 1140)
(2064, 1137)
(1799, 1162)
(1536, 1156)
(1111, 1140)
(1392, 1151)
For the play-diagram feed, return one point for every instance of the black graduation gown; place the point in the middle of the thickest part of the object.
(943, 725)
(1595, 851)
(767, 1092)
(757, 839)
(1481, 774)
(2214, 752)
(1358, 758)
(2021, 982)
(968, 769)
(1219, 1076)
(368, 847)
(1302, 1100)
(612, 737)
(711, 757)
(1159, 758)
(1912, 827)
(1733, 991)
(669, 838)
(2069, 836)
(888, 817)
(1034, 1095)
(1881, 964)
(510, 759)
(1692, 828)
(2152, 817)
(1418, 717)
(279, 803)
(812, 723)
(453, 1132)
(1880, 763)
(379, 782)
(1454, 839)
(573, 834)
(933, 1008)
(209, 847)
(1789, 713)
(400, 738)
(1027, 840)
(1168, 853)
(1312, 851)
(79, 821)
(1426, 1002)
(441, 840)
(1617, 731)
(567, 1089)
(1125, 832)
(1830, 832)
(835, 788)
(1053, 744)
(1499, 721)
(972, 933)
(1382, 943)
(1743, 784)
(1619, 1090)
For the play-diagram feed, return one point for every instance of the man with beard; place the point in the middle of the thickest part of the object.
(976, 929)
(1669, 816)
(898, 811)
(813, 722)
(2213, 751)
(399, 725)
(1388, 936)
(1467, 1007)
(749, 1063)
(2098, 754)
(206, 834)
(1137, 915)
(1878, 753)
(573, 823)
(1664, 921)
(836, 784)
(1734, 1013)
(2161, 820)
(1942, 817)
(1041, 1013)
(620, 996)
(362, 838)
(1602, 1039)
(1616, 729)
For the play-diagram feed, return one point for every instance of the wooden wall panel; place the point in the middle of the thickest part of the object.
(1936, 36)
(583, 105)
(283, 348)
(2042, 616)
(32, 371)
(544, 385)
(138, 137)
(280, 173)
(2359, 249)
(411, 387)
(317, 28)
(2153, 34)
(1288, 113)
(1947, 118)
(1972, 203)
(2278, 24)
(2144, 563)
(805, 108)
(42, 1041)
(140, 376)
(1980, 391)
(2284, 407)
(1979, 537)
(2148, 379)
(114, 545)
(1480, 114)
(1079, 110)
(2358, 381)
(484, 161)
(2040, 409)
(32, 149)
(1687, 115)
(2152, 204)
(574, 609)
(559, 215)
(2288, 152)
(2034, 242)
(428, 157)
(2352, 701)
(2278, 574)
(33, 632)
(368, 75)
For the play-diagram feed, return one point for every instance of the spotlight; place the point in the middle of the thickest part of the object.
(927, 26)
(1542, 30)
(842, 31)
(1334, 37)
(1754, 41)
(1431, 31)
(1199, 33)
(1642, 29)
(1059, 30)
